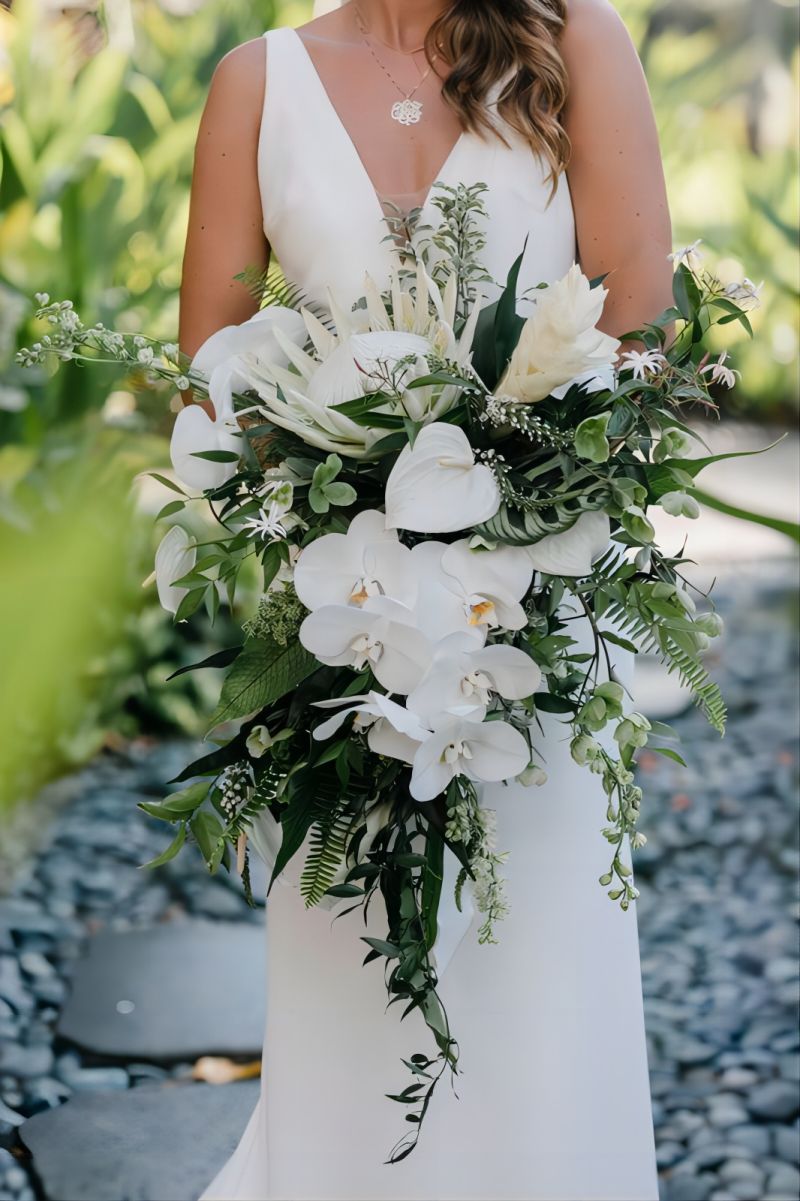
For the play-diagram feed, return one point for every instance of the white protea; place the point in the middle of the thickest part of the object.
(372, 349)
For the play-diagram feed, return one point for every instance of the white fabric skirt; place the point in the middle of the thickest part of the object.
(553, 1096)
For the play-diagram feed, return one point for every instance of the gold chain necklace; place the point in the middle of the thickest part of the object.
(407, 111)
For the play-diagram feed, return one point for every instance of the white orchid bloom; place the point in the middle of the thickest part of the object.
(459, 590)
(380, 634)
(559, 341)
(465, 675)
(194, 431)
(489, 583)
(487, 752)
(346, 569)
(391, 730)
(572, 552)
(175, 557)
(436, 487)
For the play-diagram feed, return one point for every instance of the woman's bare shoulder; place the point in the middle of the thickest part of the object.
(593, 27)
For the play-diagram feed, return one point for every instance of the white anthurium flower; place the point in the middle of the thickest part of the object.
(487, 752)
(228, 357)
(346, 569)
(391, 730)
(194, 431)
(572, 552)
(380, 634)
(436, 487)
(596, 379)
(489, 583)
(175, 557)
(559, 341)
(465, 675)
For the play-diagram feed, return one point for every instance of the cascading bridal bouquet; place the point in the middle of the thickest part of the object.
(430, 484)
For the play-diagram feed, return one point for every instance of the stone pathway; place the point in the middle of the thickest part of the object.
(717, 919)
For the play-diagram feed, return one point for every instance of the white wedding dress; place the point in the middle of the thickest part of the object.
(553, 1097)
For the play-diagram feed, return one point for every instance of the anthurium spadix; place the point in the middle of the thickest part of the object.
(391, 730)
(465, 676)
(573, 551)
(560, 340)
(346, 569)
(380, 634)
(484, 751)
(436, 487)
(194, 432)
(175, 557)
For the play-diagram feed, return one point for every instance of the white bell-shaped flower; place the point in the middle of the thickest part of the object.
(347, 569)
(487, 752)
(465, 675)
(572, 552)
(436, 487)
(380, 634)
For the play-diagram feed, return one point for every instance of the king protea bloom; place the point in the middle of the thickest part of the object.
(370, 351)
(559, 341)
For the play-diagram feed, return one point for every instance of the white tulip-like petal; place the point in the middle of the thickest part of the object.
(559, 341)
(175, 557)
(436, 487)
(487, 752)
(572, 552)
(380, 634)
(490, 583)
(195, 431)
(392, 730)
(465, 675)
(346, 569)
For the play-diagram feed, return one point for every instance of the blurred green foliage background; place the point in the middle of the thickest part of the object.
(99, 109)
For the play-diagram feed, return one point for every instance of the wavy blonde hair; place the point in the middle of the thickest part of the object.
(481, 41)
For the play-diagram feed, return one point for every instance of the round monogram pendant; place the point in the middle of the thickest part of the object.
(407, 112)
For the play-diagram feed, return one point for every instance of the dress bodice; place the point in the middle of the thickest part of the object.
(325, 222)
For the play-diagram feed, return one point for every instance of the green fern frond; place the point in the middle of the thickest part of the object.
(656, 639)
(327, 848)
(269, 286)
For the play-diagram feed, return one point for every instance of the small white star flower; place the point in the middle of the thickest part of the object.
(720, 374)
(687, 254)
(644, 362)
(746, 294)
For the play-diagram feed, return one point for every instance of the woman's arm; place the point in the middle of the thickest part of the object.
(616, 176)
(225, 220)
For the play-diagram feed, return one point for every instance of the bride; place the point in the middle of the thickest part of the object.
(309, 140)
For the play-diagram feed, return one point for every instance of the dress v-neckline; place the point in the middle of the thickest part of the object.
(354, 151)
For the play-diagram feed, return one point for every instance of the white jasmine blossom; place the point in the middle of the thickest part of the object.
(720, 373)
(644, 362)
